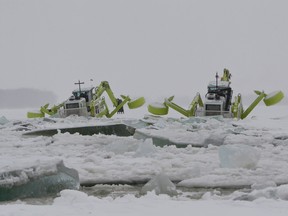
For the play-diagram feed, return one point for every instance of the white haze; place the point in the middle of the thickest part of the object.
(143, 48)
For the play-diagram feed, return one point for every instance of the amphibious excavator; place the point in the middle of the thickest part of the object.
(89, 102)
(218, 101)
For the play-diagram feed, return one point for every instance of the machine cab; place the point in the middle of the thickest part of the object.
(78, 103)
(86, 93)
(218, 98)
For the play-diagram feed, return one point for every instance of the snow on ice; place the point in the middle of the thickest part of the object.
(238, 155)
(249, 158)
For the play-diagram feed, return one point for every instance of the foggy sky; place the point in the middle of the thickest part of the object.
(149, 48)
(25, 98)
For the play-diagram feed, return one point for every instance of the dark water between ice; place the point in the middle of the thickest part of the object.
(117, 191)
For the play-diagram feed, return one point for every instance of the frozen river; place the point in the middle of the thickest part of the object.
(234, 164)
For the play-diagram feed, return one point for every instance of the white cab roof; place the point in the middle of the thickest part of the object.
(220, 84)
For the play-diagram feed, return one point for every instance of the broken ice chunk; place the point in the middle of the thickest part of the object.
(146, 149)
(161, 184)
(238, 156)
(37, 181)
(3, 120)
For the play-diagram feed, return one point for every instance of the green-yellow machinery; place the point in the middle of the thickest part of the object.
(89, 102)
(218, 101)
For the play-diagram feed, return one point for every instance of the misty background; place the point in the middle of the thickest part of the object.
(25, 98)
(151, 48)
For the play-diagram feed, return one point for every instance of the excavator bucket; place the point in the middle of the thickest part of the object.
(158, 108)
(273, 98)
(35, 114)
(136, 103)
(269, 100)
(38, 114)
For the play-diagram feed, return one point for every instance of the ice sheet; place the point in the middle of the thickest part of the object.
(112, 159)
